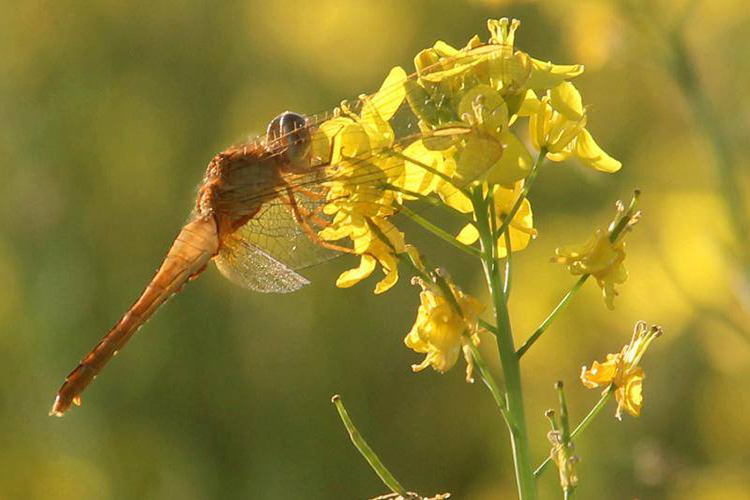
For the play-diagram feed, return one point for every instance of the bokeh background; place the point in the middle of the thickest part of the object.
(109, 112)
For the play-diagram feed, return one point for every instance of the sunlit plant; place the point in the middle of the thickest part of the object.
(487, 117)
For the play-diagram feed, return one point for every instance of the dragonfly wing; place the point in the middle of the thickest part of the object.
(418, 135)
(265, 254)
(249, 266)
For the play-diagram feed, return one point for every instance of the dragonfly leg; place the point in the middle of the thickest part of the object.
(303, 222)
(313, 195)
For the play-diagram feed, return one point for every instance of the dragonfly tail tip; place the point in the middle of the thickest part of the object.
(58, 409)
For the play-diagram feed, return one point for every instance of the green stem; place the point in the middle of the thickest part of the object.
(516, 418)
(427, 199)
(489, 380)
(545, 324)
(447, 178)
(367, 452)
(487, 326)
(508, 259)
(440, 233)
(524, 192)
(582, 426)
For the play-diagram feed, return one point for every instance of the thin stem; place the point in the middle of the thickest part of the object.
(624, 223)
(447, 178)
(564, 418)
(367, 452)
(558, 308)
(583, 425)
(516, 418)
(489, 380)
(508, 259)
(524, 192)
(427, 199)
(440, 233)
(487, 326)
(404, 258)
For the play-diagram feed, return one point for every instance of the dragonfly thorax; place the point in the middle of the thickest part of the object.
(238, 181)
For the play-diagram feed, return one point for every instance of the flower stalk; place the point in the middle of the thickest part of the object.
(359, 442)
(489, 381)
(439, 232)
(549, 319)
(595, 411)
(515, 414)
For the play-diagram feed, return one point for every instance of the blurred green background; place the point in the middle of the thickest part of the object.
(109, 112)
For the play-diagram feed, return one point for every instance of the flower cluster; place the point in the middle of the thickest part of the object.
(434, 133)
(357, 203)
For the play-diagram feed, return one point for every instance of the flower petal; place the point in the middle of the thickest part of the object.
(468, 235)
(600, 374)
(566, 100)
(589, 152)
(514, 164)
(545, 75)
(354, 276)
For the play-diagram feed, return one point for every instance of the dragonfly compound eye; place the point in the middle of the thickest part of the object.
(289, 135)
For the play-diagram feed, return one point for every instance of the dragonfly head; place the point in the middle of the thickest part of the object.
(289, 136)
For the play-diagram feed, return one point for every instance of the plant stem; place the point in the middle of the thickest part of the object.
(524, 192)
(439, 232)
(367, 452)
(582, 426)
(545, 324)
(516, 419)
(508, 266)
(487, 326)
(489, 380)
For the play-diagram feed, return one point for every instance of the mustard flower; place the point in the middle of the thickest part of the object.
(537, 75)
(603, 255)
(357, 202)
(557, 122)
(442, 331)
(521, 228)
(621, 370)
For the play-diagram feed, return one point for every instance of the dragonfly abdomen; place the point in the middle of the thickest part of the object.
(196, 244)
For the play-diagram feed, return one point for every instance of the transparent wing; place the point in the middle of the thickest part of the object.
(427, 109)
(249, 266)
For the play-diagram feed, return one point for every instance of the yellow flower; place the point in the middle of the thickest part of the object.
(557, 122)
(368, 242)
(489, 150)
(521, 228)
(603, 255)
(621, 371)
(442, 330)
(356, 200)
(527, 72)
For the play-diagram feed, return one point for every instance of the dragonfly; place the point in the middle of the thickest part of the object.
(261, 204)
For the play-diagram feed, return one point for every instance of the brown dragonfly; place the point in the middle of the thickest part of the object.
(261, 203)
